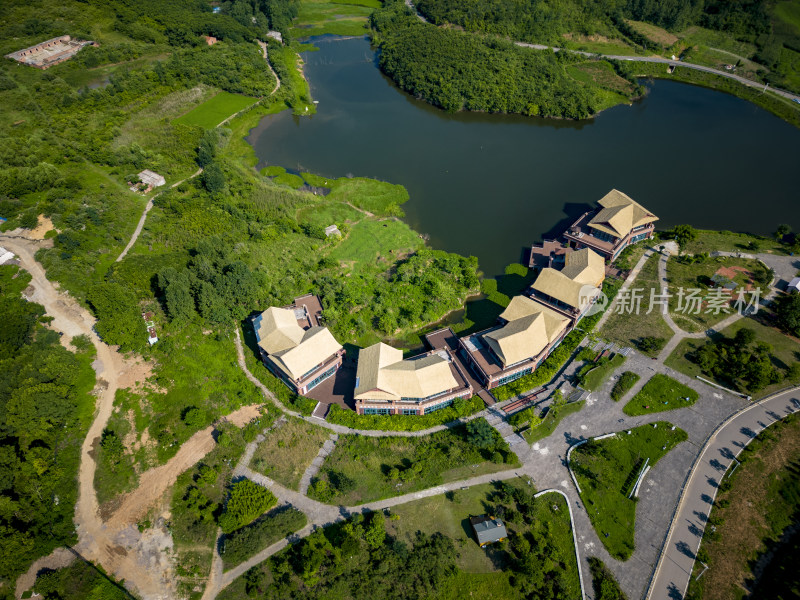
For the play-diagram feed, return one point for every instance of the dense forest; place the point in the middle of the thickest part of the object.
(45, 408)
(457, 71)
(548, 21)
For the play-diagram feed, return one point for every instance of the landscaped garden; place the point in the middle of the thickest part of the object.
(547, 425)
(288, 449)
(759, 364)
(362, 469)
(426, 549)
(623, 385)
(634, 326)
(597, 368)
(704, 281)
(660, 393)
(607, 471)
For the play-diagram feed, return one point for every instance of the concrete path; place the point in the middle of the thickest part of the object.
(314, 467)
(675, 564)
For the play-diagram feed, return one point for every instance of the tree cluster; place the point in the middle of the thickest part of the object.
(458, 71)
(213, 285)
(356, 559)
(739, 360)
(246, 502)
(44, 404)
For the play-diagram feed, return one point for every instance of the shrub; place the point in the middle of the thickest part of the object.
(460, 408)
(264, 531)
(625, 382)
(247, 501)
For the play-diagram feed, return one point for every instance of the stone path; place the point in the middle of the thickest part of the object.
(313, 468)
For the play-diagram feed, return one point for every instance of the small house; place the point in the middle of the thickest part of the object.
(151, 179)
(794, 285)
(488, 530)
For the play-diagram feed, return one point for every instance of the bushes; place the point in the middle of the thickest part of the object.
(247, 501)
(625, 382)
(460, 408)
(264, 531)
(603, 582)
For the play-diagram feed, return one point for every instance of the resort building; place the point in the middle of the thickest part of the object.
(488, 530)
(386, 384)
(295, 347)
(619, 222)
(527, 333)
(50, 52)
(575, 288)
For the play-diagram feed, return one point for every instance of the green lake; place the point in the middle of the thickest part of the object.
(490, 185)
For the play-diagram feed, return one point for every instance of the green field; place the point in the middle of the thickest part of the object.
(659, 394)
(348, 17)
(216, 109)
(288, 450)
(362, 469)
(607, 470)
(627, 328)
(374, 244)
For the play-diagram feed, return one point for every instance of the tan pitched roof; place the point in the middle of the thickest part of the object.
(295, 350)
(531, 327)
(557, 285)
(585, 266)
(620, 214)
(382, 374)
(279, 330)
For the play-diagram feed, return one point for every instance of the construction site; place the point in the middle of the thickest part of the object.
(50, 52)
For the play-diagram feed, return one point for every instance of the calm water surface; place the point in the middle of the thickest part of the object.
(489, 185)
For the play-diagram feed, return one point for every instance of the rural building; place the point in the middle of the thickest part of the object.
(152, 179)
(387, 384)
(332, 230)
(488, 530)
(794, 284)
(152, 336)
(527, 333)
(275, 35)
(608, 230)
(295, 347)
(50, 52)
(574, 289)
(211, 40)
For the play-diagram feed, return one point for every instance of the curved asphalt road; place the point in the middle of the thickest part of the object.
(671, 578)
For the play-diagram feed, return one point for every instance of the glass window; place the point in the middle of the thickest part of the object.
(377, 411)
(409, 411)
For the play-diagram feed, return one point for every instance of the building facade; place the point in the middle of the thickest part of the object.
(619, 222)
(295, 347)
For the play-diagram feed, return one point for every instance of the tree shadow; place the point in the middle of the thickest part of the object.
(712, 482)
(707, 499)
(673, 593)
(726, 453)
(748, 432)
(695, 530)
(571, 439)
(718, 466)
(700, 516)
(684, 549)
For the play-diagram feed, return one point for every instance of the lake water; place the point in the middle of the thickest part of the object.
(490, 185)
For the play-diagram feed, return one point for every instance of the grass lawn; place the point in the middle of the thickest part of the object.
(655, 34)
(607, 470)
(623, 385)
(751, 511)
(380, 198)
(729, 241)
(376, 244)
(216, 109)
(785, 350)
(550, 422)
(317, 17)
(697, 276)
(626, 328)
(483, 570)
(359, 468)
(659, 394)
(594, 378)
(288, 450)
